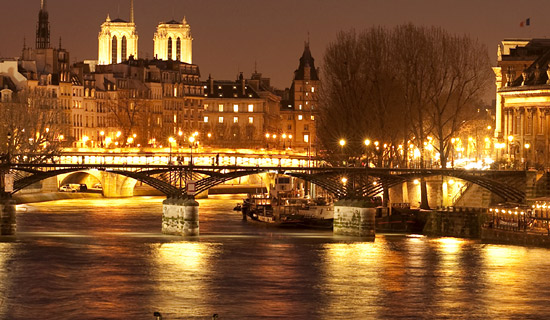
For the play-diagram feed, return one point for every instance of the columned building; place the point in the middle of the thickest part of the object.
(118, 40)
(523, 102)
(173, 41)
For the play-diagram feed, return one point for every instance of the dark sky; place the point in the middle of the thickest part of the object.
(231, 35)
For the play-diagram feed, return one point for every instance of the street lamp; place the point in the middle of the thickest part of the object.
(367, 144)
(170, 141)
(192, 142)
(290, 141)
(526, 146)
(284, 140)
(342, 143)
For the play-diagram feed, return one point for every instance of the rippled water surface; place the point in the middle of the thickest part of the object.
(106, 259)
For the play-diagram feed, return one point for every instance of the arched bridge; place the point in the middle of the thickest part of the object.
(172, 180)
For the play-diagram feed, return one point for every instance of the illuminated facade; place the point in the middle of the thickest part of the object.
(299, 110)
(523, 102)
(173, 41)
(118, 40)
(234, 114)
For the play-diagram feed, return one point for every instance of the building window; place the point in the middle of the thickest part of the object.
(205, 119)
(250, 120)
(220, 119)
(250, 108)
(300, 107)
(289, 117)
(312, 89)
(306, 127)
(235, 119)
(312, 118)
(235, 108)
(300, 117)
(220, 107)
(178, 49)
(289, 127)
(124, 48)
(170, 48)
(206, 107)
(541, 124)
(114, 50)
(306, 138)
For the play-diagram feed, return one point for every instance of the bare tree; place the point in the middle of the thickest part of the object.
(31, 127)
(399, 87)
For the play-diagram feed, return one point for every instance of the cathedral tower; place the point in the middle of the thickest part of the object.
(173, 41)
(43, 28)
(118, 39)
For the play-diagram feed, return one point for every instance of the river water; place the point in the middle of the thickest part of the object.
(106, 259)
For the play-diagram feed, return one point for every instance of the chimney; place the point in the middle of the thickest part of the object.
(243, 83)
(211, 84)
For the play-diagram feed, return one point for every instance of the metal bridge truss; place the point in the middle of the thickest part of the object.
(172, 179)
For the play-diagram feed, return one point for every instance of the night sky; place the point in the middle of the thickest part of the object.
(231, 35)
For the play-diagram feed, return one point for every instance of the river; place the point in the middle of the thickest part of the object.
(106, 259)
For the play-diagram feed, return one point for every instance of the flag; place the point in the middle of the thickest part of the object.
(526, 22)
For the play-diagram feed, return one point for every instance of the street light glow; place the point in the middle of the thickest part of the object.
(367, 142)
(342, 142)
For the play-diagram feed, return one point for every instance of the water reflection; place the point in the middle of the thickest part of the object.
(90, 259)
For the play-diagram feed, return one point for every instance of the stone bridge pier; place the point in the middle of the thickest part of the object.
(180, 217)
(7, 216)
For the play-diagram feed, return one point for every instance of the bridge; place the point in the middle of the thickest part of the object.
(181, 182)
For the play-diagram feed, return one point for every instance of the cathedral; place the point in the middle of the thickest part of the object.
(173, 41)
(118, 40)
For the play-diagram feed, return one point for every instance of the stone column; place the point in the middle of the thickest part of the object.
(354, 218)
(180, 217)
(7, 217)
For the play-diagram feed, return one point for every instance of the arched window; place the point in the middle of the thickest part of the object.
(123, 47)
(178, 49)
(170, 48)
(114, 50)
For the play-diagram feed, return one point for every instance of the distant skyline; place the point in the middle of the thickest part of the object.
(232, 36)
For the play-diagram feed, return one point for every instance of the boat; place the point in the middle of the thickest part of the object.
(259, 208)
(400, 219)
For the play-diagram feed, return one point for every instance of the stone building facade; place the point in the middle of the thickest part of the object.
(523, 102)
(299, 108)
(173, 41)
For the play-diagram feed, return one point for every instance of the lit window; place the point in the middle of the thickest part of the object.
(306, 137)
(235, 108)
(235, 119)
(220, 119)
(312, 89)
(205, 119)
(312, 117)
(300, 117)
(250, 120)
(205, 107)
(220, 107)
(250, 108)
(300, 107)
(175, 118)
(307, 94)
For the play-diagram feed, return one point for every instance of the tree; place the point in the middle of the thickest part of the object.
(31, 124)
(399, 86)
(406, 87)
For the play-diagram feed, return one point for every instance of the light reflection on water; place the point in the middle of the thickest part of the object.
(90, 259)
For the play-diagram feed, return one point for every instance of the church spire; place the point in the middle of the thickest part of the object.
(131, 11)
(43, 28)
